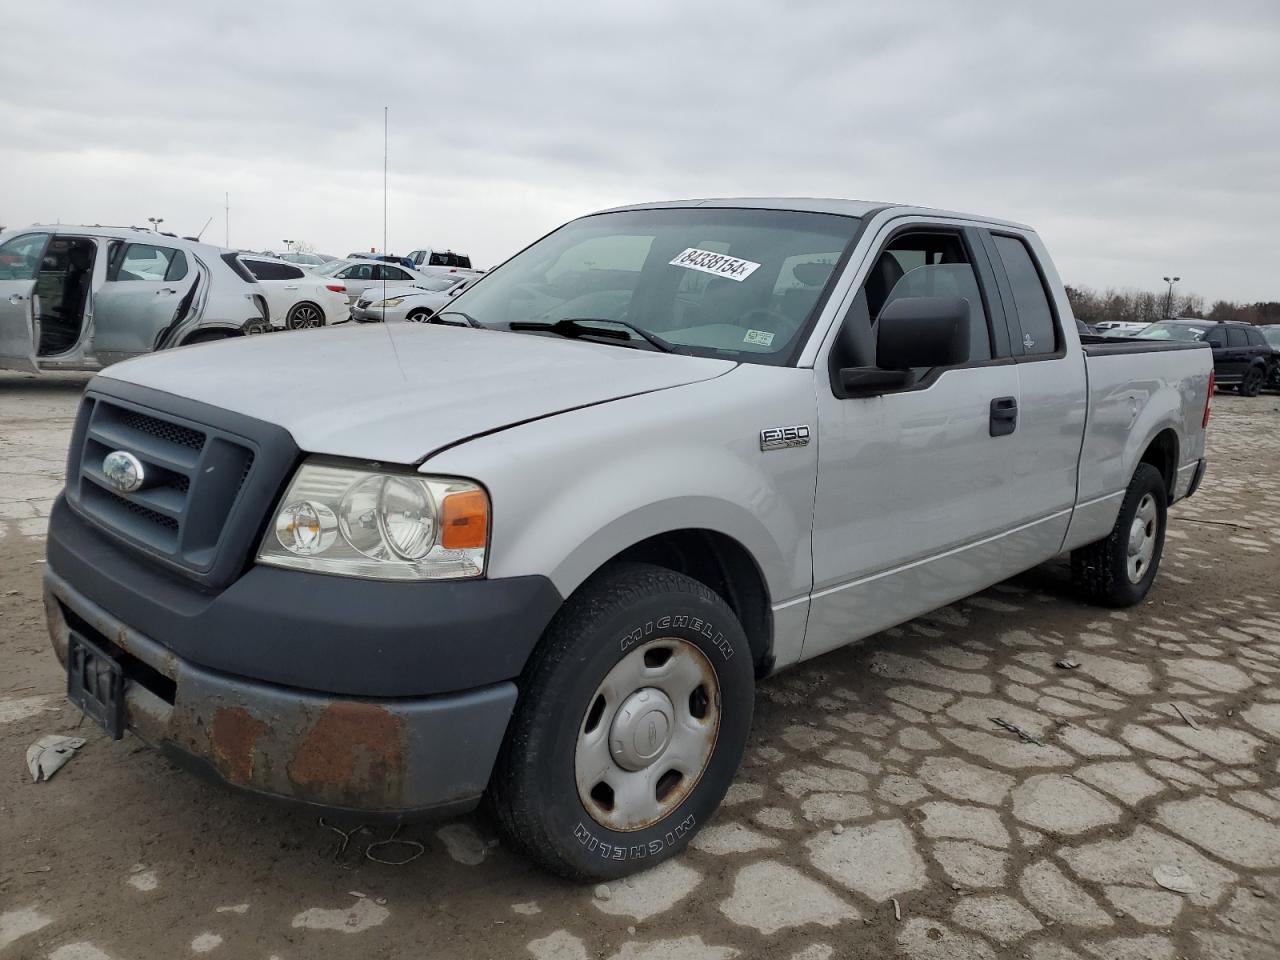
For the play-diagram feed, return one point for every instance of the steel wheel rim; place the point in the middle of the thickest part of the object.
(647, 734)
(305, 317)
(1142, 538)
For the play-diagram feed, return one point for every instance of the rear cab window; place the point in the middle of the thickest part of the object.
(1036, 333)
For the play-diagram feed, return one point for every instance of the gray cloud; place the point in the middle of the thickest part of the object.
(1139, 138)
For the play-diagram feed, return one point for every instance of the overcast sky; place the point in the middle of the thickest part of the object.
(1139, 139)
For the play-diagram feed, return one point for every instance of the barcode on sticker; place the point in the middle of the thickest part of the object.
(762, 337)
(716, 264)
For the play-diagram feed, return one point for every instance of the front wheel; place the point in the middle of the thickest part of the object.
(1251, 386)
(421, 315)
(632, 720)
(1118, 570)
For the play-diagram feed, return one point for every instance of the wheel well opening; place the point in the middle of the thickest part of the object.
(206, 336)
(725, 566)
(1162, 453)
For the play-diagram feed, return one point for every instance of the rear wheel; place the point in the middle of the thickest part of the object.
(304, 315)
(1118, 570)
(1251, 385)
(632, 720)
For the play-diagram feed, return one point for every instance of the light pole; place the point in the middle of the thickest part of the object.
(155, 223)
(287, 244)
(1168, 299)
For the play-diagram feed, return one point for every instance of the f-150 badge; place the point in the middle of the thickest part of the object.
(779, 438)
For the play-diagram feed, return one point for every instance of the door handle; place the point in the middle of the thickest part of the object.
(294, 287)
(164, 291)
(1004, 416)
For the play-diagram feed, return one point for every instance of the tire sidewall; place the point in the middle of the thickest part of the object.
(596, 850)
(1146, 480)
(292, 320)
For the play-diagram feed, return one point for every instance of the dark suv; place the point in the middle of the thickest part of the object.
(1242, 358)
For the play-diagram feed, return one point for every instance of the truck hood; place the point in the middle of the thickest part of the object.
(397, 396)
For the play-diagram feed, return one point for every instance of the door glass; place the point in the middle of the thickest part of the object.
(20, 257)
(1236, 337)
(142, 261)
(929, 265)
(1035, 316)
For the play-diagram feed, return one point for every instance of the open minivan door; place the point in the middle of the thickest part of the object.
(20, 259)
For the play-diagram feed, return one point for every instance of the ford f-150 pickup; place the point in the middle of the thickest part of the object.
(540, 549)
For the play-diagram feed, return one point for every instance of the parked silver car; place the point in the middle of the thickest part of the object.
(80, 298)
(415, 302)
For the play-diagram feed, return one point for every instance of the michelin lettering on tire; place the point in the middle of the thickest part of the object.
(634, 851)
(678, 621)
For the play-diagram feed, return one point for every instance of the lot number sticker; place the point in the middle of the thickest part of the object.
(762, 338)
(716, 264)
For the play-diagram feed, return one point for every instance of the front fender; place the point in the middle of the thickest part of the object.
(572, 491)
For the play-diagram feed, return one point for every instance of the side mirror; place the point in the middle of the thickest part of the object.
(912, 333)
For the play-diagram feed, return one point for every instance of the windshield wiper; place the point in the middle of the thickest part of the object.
(577, 327)
(471, 321)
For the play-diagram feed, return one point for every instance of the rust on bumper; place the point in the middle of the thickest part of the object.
(392, 756)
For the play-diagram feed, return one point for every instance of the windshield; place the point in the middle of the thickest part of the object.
(1172, 331)
(1272, 334)
(740, 284)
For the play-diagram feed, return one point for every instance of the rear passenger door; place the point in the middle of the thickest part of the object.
(144, 289)
(1044, 459)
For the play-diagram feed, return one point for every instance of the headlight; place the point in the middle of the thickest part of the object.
(384, 526)
(393, 302)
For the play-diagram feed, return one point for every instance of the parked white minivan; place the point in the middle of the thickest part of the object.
(80, 298)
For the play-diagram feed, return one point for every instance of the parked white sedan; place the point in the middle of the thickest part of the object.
(359, 275)
(297, 296)
(417, 303)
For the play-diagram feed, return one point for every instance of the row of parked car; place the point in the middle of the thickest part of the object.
(1245, 357)
(83, 297)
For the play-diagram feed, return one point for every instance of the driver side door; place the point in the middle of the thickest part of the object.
(912, 508)
(20, 259)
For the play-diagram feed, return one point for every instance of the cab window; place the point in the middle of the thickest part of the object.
(1030, 300)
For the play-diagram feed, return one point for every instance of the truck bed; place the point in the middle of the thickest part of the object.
(1095, 346)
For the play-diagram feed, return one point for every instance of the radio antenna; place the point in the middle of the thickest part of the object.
(385, 140)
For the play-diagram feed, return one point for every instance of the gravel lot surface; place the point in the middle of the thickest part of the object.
(876, 785)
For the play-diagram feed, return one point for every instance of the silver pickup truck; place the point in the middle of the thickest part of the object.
(542, 548)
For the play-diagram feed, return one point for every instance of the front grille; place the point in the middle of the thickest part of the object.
(193, 475)
(162, 430)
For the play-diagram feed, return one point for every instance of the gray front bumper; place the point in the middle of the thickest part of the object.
(401, 756)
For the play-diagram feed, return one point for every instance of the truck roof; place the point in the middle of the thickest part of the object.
(847, 208)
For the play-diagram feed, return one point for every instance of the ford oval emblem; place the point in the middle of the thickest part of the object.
(123, 471)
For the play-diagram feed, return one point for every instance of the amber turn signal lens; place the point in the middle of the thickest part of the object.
(464, 521)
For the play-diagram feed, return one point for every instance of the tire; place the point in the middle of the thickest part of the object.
(421, 315)
(304, 316)
(256, 328)
(1118, 570)
(605, 650)
(1251, 385)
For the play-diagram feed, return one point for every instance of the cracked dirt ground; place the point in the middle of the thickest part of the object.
(874, 774)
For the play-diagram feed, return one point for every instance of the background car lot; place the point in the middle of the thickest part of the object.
(991, 845)
(298, 298)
